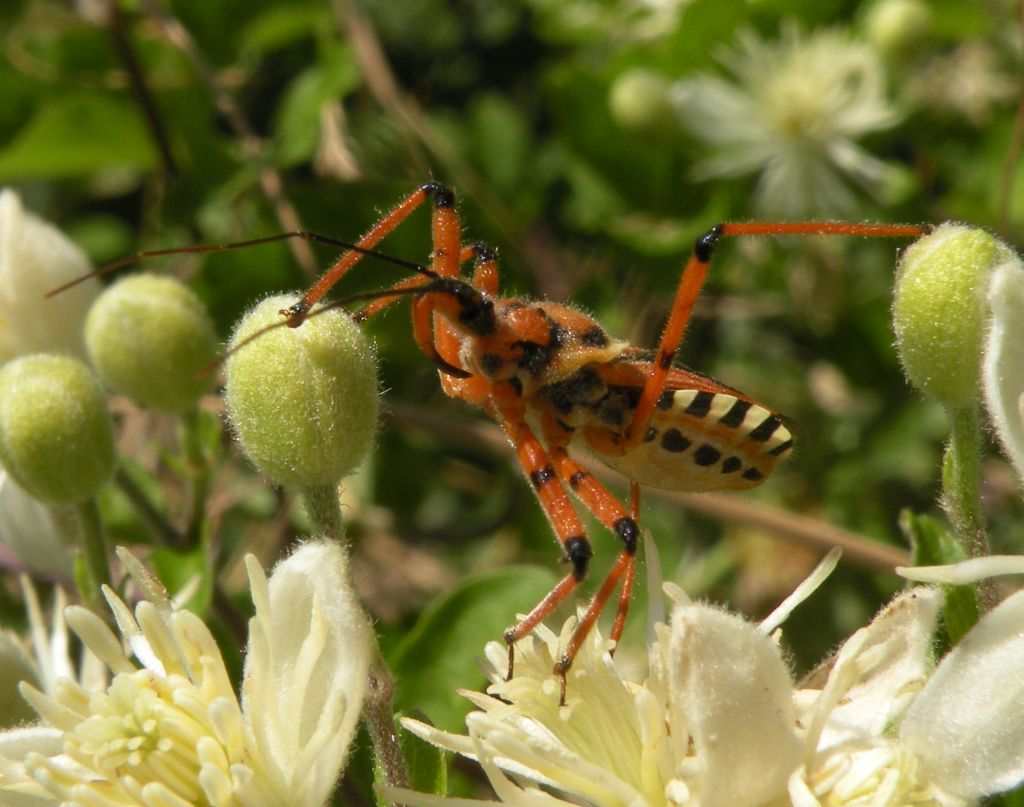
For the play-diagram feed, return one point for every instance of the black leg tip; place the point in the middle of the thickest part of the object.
(704, 248)
(441, 194)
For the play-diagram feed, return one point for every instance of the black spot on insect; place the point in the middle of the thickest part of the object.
(542, 476)
(490, 363)
(753, 474)
(576, 479)
(766, 429)
(556, 335)
(665, 400)
(580, 389)
(616, 402)
(736, 414)
(706, 455)
(781, 449)
(665, 360)
(595, 337)
(535, 357)
(611, 415)
(651, 434)
(731, 465)
(674, 441)
(701, 404)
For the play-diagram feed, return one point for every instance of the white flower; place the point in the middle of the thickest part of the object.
(36, 257)
(791, 114)
(719, 722)
(969, 82)
(47, 659)
(713, 724)
(169, 729)
(888, 730)
(43, 537)
(1003, 357)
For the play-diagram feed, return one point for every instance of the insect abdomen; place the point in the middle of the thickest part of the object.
(698, 441)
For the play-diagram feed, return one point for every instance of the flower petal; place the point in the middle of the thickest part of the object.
(739, 693)
(307, 669)
(1003, 358)
(967, 724)
(36, 257)
(884, 664)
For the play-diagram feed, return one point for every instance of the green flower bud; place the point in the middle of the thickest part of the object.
(56, 436)
(303, 401)
(639, 99)
(149, 337)
(940, 311)
(898, 27)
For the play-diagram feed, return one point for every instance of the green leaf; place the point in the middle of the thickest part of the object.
(933, 545)
(298, 124)
(439, 654)
(1015, 798)
(279, 26)
(77, 135)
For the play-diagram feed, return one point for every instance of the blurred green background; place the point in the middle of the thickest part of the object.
(591, 142)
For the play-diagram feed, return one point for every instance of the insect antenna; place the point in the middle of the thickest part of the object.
(203, 249)
(340, 303)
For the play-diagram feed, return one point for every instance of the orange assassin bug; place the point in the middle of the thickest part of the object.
(551, 376)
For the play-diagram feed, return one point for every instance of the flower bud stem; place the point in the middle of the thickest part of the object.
(961, 486)
(325, 511)
(94, 548)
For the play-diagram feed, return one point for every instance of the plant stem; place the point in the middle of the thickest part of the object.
(379, 717)
(961, 494)
(94, 547)
(325, 511)
(147, 511)
(961, 489)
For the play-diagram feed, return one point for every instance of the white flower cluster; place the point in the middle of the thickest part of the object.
(168, 728)
(719, 722)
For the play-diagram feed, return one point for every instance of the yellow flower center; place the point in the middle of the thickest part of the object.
(880, 775)
(138, 728)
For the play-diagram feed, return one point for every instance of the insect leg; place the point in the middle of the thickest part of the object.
(564, 520)
(692, 280)
(485, 269)
(613, 515)
(445, 239)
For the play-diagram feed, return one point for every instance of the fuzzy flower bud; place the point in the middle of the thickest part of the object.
(941, 310)
(898, 27)
(639, 99)
(149, 337)
(56, 436)
(36, 257)
(302, 401)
